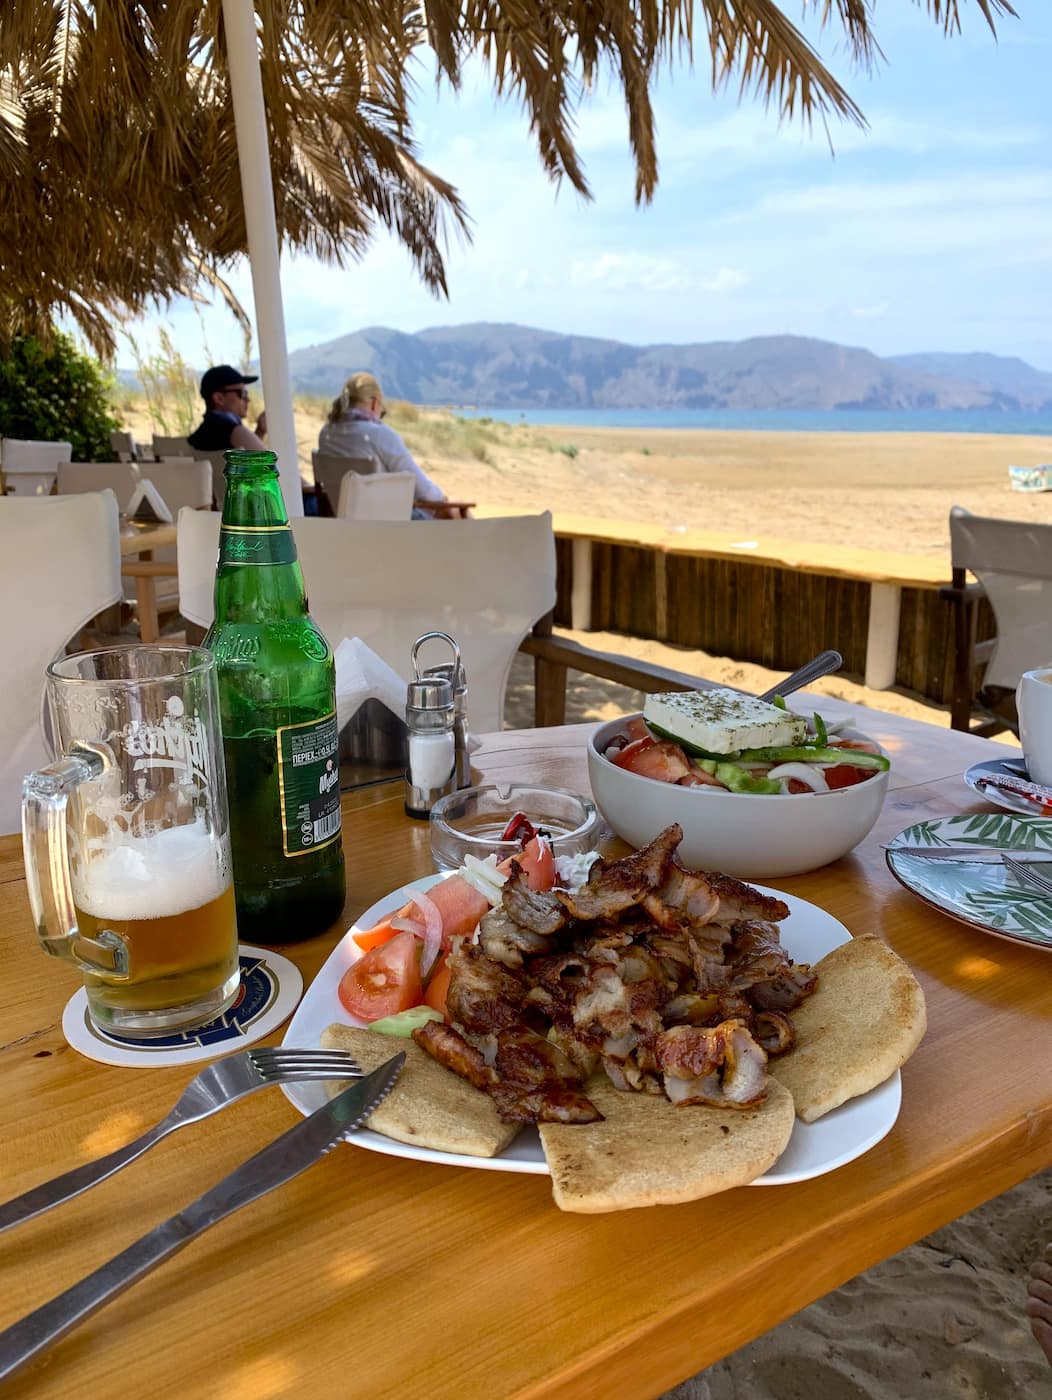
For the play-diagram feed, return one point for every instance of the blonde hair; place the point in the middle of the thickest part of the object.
(361, 388)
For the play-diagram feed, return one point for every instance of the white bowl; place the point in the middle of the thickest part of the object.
(749, 835)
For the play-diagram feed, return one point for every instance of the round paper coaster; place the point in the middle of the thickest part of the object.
(270, 988)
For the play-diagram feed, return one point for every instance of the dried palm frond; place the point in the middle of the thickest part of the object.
(118, 152)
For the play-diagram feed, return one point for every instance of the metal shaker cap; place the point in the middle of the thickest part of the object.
(453, 670)
(430, 693)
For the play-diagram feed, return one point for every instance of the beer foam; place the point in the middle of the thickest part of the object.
(151, 877)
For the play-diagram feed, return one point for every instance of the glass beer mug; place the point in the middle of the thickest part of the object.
(126, 842)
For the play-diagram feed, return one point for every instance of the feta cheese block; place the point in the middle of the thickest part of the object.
(722, 721)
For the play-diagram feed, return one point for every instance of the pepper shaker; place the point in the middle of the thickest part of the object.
(431, 770)
(452, 671)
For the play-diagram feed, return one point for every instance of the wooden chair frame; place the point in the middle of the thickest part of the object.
(969, 659)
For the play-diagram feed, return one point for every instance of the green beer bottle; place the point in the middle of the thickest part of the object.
(277, 688)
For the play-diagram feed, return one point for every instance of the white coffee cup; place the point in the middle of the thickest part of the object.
(1033, 699)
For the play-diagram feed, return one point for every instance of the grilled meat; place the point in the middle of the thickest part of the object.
(613, 886)
(674, 981)
(786, 990)
(517, 1104)
(720, 1065)
(686, 899)
(536, 910)
(506, 941)
(449, 1048)
(774, 1031)
(483, 996)
(739, 901)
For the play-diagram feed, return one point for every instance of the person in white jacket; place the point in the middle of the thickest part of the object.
(355, 428)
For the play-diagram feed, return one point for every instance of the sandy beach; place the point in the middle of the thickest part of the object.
(944, 1319)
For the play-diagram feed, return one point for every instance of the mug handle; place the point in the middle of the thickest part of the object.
(45, 799)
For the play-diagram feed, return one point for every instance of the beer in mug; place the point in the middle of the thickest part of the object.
(126, 838)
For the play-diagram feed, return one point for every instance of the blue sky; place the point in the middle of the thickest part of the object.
(930, 230)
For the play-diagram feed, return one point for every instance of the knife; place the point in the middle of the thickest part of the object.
(977, 855)
(282, 1160)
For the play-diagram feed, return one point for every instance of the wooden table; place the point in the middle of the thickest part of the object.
(137, 545)
(372, 1276)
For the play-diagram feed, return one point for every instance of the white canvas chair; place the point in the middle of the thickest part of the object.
(30, 467)
(124, 447)
(387, 496)
(74, 478)
(61, 557)
(181, 485)
(1012, 559)
(217, 462)
(187, 483)
(329, 472)
(486, 582)
(170, 447)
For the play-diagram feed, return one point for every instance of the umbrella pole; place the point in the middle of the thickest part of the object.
(257, 192)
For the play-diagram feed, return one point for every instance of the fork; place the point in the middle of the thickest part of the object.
(1027, 875)
(218, 1084)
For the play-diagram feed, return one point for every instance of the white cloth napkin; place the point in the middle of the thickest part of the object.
(361, 675)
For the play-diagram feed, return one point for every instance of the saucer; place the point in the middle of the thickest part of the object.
(1010, 801)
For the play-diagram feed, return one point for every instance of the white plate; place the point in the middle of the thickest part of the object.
(814, 1148)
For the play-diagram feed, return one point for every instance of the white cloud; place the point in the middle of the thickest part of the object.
(726, 280)
(625, 271)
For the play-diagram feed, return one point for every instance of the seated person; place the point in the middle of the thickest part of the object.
(226, 403)
(355, 429)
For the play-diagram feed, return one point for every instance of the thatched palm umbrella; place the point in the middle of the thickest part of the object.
(119, 147)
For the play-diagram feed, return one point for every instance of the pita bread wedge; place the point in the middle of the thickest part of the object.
(864, 1020)
(429, 1106)
(647, 1152)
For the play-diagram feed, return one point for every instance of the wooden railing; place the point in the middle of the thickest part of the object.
(774, 602)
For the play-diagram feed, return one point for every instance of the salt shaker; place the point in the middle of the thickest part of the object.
(431, 770)
(452, 671)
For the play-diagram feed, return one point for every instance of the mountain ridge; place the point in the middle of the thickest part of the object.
(505, 365)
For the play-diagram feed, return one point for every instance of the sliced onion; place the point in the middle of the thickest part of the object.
(484, 877)
(487, 869)
(803, 772)
(431, 933)
(413, 926)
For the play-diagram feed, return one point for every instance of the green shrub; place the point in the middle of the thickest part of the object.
(568, 450)
(56, 394)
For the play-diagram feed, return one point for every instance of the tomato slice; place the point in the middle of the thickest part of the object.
(538, 864)
(843, 775)
(438, 986)
(859, 746)
(385, 980)
(664, 761)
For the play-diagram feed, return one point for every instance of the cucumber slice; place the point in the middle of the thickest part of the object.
(404, 1023)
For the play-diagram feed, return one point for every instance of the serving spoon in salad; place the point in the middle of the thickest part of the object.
(822, 665)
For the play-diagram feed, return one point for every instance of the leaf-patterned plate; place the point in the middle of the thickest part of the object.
(987, 897)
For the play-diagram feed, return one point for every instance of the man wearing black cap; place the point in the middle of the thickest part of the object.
(226, 403)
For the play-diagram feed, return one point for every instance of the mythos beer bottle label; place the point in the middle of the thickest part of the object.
(309, 784)
(256, 544)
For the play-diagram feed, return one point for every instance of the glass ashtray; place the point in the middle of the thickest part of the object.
(472, 821)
